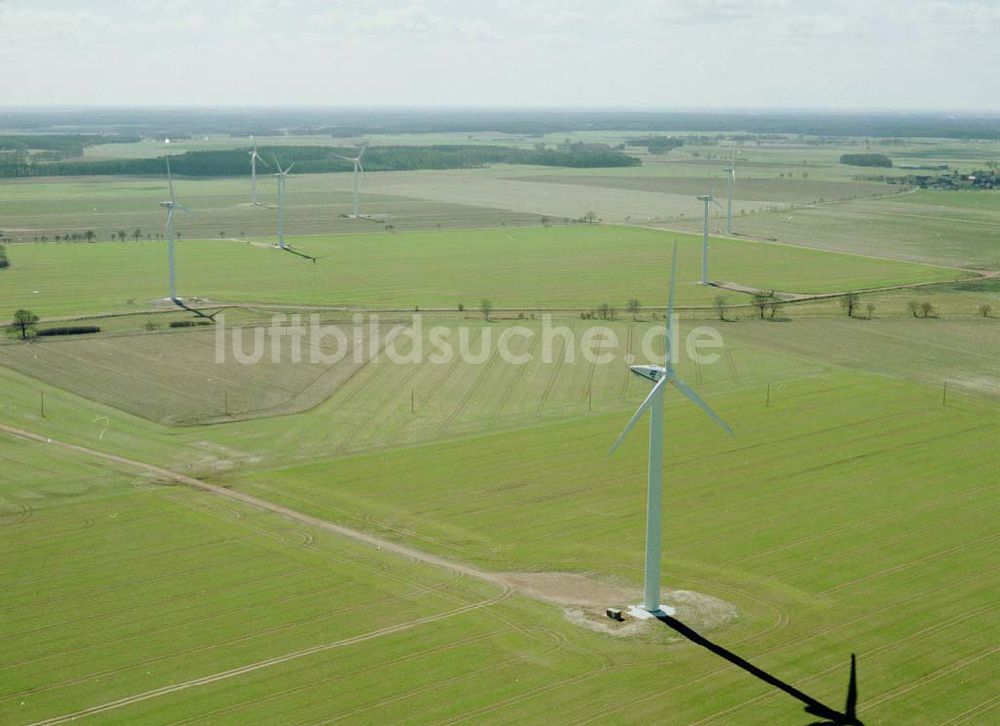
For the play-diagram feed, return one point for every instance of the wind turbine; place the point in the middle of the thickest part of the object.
(171, 206)
(708, 199)
(356, 160)
(661, 376)
(254, 158)
(730, 182)
(282, 175)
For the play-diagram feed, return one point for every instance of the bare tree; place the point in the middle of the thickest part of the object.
(760, 301)
(136, 234)
(849, 302)
(870, 309)
(24, 324)
(985, 310)
(634, 307)
(914, 307)
(589, 217)
(721, 307)
(927, 310)
(486, 305)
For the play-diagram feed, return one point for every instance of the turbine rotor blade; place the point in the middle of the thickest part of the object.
(289, 168)
(362, 152)
(697, 400)
(639, 412)
(278, 164)
(170, 181)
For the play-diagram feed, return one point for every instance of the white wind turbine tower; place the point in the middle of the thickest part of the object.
(282, 174)
(171, 206)
(661, 375)
(730, 182)
(709, 200)
(254, 158)
(356, 160)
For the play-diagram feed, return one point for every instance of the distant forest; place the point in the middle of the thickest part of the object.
(358, 122)
(320, 159)
(866, 160)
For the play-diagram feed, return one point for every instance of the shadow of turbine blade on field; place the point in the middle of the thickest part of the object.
(831, 716)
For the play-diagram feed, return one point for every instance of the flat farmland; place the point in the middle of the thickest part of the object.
(233, 610)
(288, 632)
(951, 228)
(750, 188)
(854, 502)
(425, 539)
(315, 204)
(175, 379)
(357, 404)
(578, 267)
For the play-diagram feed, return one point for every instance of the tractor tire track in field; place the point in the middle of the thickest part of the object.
(555, 647)
(441, 380)
(521, 369)
(550, 384)
(946, 524)
(875, 517)
(147, 631)
(627, 375)
(933, 676)
(269, 662)
(20, 512)
(603, 715)
(910, 563)
(267, 506)
(222, 644)
(832, 670)
(470, 392)
(988, 705)
(587, 392)
(548, 688)
(731, 363)
(369, 416)
(259, 700)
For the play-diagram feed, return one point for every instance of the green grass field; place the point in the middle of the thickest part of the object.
(221, 208)
(578, 267)
(852, 546)
(949, 228)
(852, 511)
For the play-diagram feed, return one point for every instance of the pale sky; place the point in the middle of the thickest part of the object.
(850, 54)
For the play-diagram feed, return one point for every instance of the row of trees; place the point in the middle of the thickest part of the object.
(320, 159)
(4, 260)
(121, 235)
